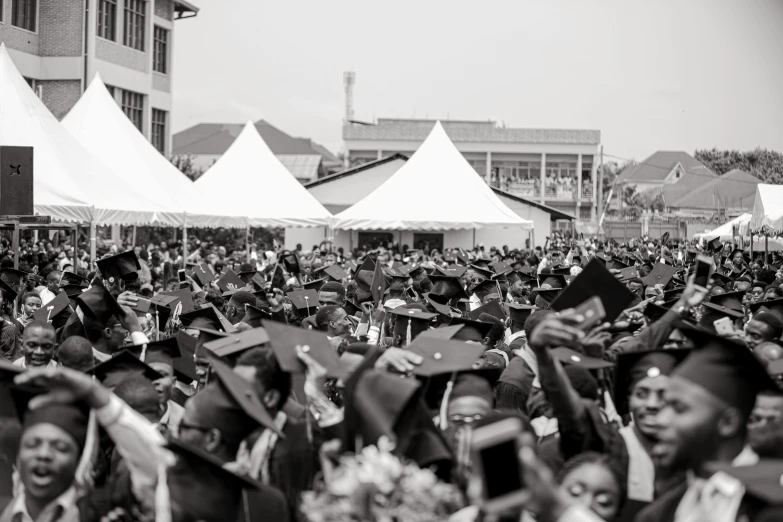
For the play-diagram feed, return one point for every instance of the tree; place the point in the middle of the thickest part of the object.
(767, 165)
(185, 163)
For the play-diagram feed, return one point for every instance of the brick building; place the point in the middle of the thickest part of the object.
(59, 45)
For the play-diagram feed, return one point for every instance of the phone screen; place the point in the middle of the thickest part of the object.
(181, 275)
(702, 276)
(510, 480)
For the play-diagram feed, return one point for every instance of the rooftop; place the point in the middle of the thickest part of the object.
(734, 189)
(391, 129)
(182, 7)
(660, 164)
(216, 138)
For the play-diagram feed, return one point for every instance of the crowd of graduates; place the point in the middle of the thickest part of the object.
(642, 378)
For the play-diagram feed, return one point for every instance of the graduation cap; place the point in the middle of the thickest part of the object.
(661, 275)
(246, 269)
(454, 270)
(71, 418)
(561, 270)
(471, 330)
(70, 290)
(284, 340)
(718, 277)
(13, 276)
(206, 317)
(725, 368)
(519, 313)
(163, 351)
(304, 301)
(501, 268)
(444, 357)
(290, 261)
(484, 272)
(547, 295)
(773, 306)
(203, 274)
(486, 288)
(230, 404)
(438, 303)
(449, 257)
(368, 264)
(493, 308)
(729, 303)
(351, 308)
(447, 286)
(69, 278)
(205, 335)
(123, 266)
(554, 280)
(57, 311)
(715, 245)
(193, 461)
(120, 367)
(314, 285)
(8, 293)
(333, 272)
(410, 322)
(654, 311)
(618, 264)
(185, 366)
(254, 315)
(569, 356)
(183, 296)
(442, 332)
(98, 302)
(632, 367)
(229, 277)
(234, 344)
(595, 280)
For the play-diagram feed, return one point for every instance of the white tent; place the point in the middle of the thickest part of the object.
(768, 207)
(436, 189)
(249, 183)
(725, 232)
(100, 125)
(70, 183)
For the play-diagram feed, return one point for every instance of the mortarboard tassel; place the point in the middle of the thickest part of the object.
(143, 352)
(408, 334)
(444, 405)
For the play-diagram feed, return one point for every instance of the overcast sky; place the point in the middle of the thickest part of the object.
(652, 74)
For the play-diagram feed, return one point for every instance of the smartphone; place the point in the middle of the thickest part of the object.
(181, 276)
(593, 312)
(142, 305)
(703, 271)
(629, 273)
(723, 326)
(495, 447)
(410, 292)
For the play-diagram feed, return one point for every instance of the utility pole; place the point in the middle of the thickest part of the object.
(600, 195)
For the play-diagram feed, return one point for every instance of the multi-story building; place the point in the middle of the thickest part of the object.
(551, 166)
(59, 46)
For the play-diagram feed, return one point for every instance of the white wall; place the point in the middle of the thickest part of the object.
(352, 188)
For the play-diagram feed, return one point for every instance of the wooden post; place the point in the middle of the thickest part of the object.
(247, 241)
(766, 247)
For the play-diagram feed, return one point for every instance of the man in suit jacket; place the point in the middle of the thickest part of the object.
(708, 402)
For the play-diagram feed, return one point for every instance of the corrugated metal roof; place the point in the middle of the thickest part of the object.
(734, 189)
(660, 165)
(216, 138)
(302, 166)
(466, 131)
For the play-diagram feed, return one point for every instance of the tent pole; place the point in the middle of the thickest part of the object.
(766, 247)
(74, 239)
(93, 242)
(184, 243)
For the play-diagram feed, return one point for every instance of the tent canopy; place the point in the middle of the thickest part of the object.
(436, 189)
(725, 232)
(100, 125)
(70, 183)
(768, 207)
(250, 183)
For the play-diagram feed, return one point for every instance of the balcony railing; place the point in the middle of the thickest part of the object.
(532, 189)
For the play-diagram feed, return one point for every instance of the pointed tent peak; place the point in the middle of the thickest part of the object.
(250, 138)
(97, 81)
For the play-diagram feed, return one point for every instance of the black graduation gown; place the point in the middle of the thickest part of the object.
(267, 504)
(294, 463)
(664, 508)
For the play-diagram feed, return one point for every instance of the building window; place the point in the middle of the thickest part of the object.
(133, 107)
(135, 16)
(24, 14)
(111, 90)
(107, 19)
(160, 56)
(159, 130)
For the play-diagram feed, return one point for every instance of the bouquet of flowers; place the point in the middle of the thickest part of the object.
(376, 486)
